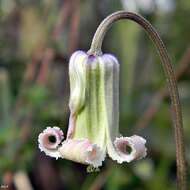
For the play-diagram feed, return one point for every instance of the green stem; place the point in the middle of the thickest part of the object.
(170, 78)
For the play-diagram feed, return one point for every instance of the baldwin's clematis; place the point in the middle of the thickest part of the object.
(94, 100)
(94, 116)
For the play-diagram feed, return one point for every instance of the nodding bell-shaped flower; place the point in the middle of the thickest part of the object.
(94, 116)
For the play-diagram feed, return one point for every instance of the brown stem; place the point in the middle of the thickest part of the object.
(170, 78)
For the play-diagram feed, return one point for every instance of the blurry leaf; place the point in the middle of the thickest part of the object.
(118, 179)
(144, 169)
(5, 99)
(37, 94)
(125, 41)
(6, 7)
(161, 178)
(33, 32)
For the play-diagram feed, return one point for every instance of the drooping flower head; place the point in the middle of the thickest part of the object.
(93, 125)
(93, 128)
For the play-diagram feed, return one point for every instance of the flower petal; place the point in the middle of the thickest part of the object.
(49, 141)
(77, 73)
(111, 70)
(137, 145)
(91, 120)
(82, 151)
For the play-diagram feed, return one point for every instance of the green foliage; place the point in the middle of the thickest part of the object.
(33, 98)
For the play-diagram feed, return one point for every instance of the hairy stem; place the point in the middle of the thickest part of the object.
(170, 78)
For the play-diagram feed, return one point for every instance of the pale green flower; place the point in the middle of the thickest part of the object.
(94, 115)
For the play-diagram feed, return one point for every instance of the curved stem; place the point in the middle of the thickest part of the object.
(170, 77)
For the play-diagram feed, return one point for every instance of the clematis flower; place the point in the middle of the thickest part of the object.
(93, 128)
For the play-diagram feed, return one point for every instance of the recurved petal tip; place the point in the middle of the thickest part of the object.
(94, 155)
(136, 145)
(82, 151)
(49, 141)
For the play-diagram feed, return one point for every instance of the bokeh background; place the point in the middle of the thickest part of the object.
(37, 38)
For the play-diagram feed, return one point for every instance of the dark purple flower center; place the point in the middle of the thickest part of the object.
(52, 139)
(128, 149)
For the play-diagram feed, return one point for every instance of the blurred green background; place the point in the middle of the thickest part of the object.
(37, 38)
